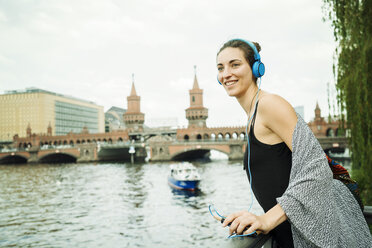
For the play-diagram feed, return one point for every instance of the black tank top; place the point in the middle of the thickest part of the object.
(270, 166)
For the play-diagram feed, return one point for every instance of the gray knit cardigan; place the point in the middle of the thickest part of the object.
(322, 211)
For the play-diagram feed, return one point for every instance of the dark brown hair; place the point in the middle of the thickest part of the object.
(243, 46)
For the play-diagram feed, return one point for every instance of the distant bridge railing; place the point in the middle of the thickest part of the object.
(8, 150)
(48, 147)
(214, 141)
(324, 141)
(121, 144)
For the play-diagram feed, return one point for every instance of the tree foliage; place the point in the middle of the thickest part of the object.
(352, 25)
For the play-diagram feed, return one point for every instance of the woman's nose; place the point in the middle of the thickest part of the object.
(226, 73)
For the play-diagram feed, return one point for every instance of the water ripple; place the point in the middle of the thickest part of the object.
(115, 204)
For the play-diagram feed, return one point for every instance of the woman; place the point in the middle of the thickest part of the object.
(291, 180)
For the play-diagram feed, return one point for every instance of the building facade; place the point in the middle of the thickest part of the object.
(39, 111)
(300, 110)
(114, 119)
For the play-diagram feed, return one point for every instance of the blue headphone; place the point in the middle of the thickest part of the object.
(258, 68)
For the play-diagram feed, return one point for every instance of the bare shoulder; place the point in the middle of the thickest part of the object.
(278, 115)
(276, 105)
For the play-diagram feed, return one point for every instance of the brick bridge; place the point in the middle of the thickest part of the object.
(37, 154)
(77, 153)
(196, 142)
(162, 146)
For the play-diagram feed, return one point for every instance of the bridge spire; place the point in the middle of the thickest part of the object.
(196, 84)
(49, 130)
(28, 130)
(133, 90)
(196, 114)
(317, 111)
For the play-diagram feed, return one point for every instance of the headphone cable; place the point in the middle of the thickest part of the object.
(221, 217)
(248, 144)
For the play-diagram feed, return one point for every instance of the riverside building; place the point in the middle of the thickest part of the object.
(40, 111)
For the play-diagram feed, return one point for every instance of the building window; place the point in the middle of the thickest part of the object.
(72, 117)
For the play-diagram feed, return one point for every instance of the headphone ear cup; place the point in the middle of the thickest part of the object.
(219, 81)
(258, 69)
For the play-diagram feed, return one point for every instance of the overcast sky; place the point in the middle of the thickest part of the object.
(89, 49)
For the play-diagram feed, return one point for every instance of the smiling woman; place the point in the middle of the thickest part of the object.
(287, 168)
(238, 64)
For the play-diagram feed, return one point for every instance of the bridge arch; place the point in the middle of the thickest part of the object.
(334, 150)
(58, 158)
(194, 153)
(13, 159)
(234, 136)
(330, 132)
(340, 132)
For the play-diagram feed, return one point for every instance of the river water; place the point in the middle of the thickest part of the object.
(116, 205)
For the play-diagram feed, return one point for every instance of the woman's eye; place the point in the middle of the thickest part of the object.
(235, 65)
(219, 68)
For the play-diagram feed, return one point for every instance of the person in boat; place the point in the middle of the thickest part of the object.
(304, 206)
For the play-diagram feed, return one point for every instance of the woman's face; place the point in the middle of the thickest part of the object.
(234, 72)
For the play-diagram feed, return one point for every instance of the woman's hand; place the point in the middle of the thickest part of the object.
(263, 223)
(240, 220)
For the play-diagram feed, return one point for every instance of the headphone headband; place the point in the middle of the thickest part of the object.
(258, 68)
(256, 54)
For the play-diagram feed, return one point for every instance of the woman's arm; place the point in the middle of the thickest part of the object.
(264, 223)
(277, 120)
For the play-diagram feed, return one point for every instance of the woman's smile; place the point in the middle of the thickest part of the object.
(230, 82)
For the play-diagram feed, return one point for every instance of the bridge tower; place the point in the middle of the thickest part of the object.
(196, 114)
(28, 130)
(49, 130)
(319, 124)
(133, 118)
(323, 128)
